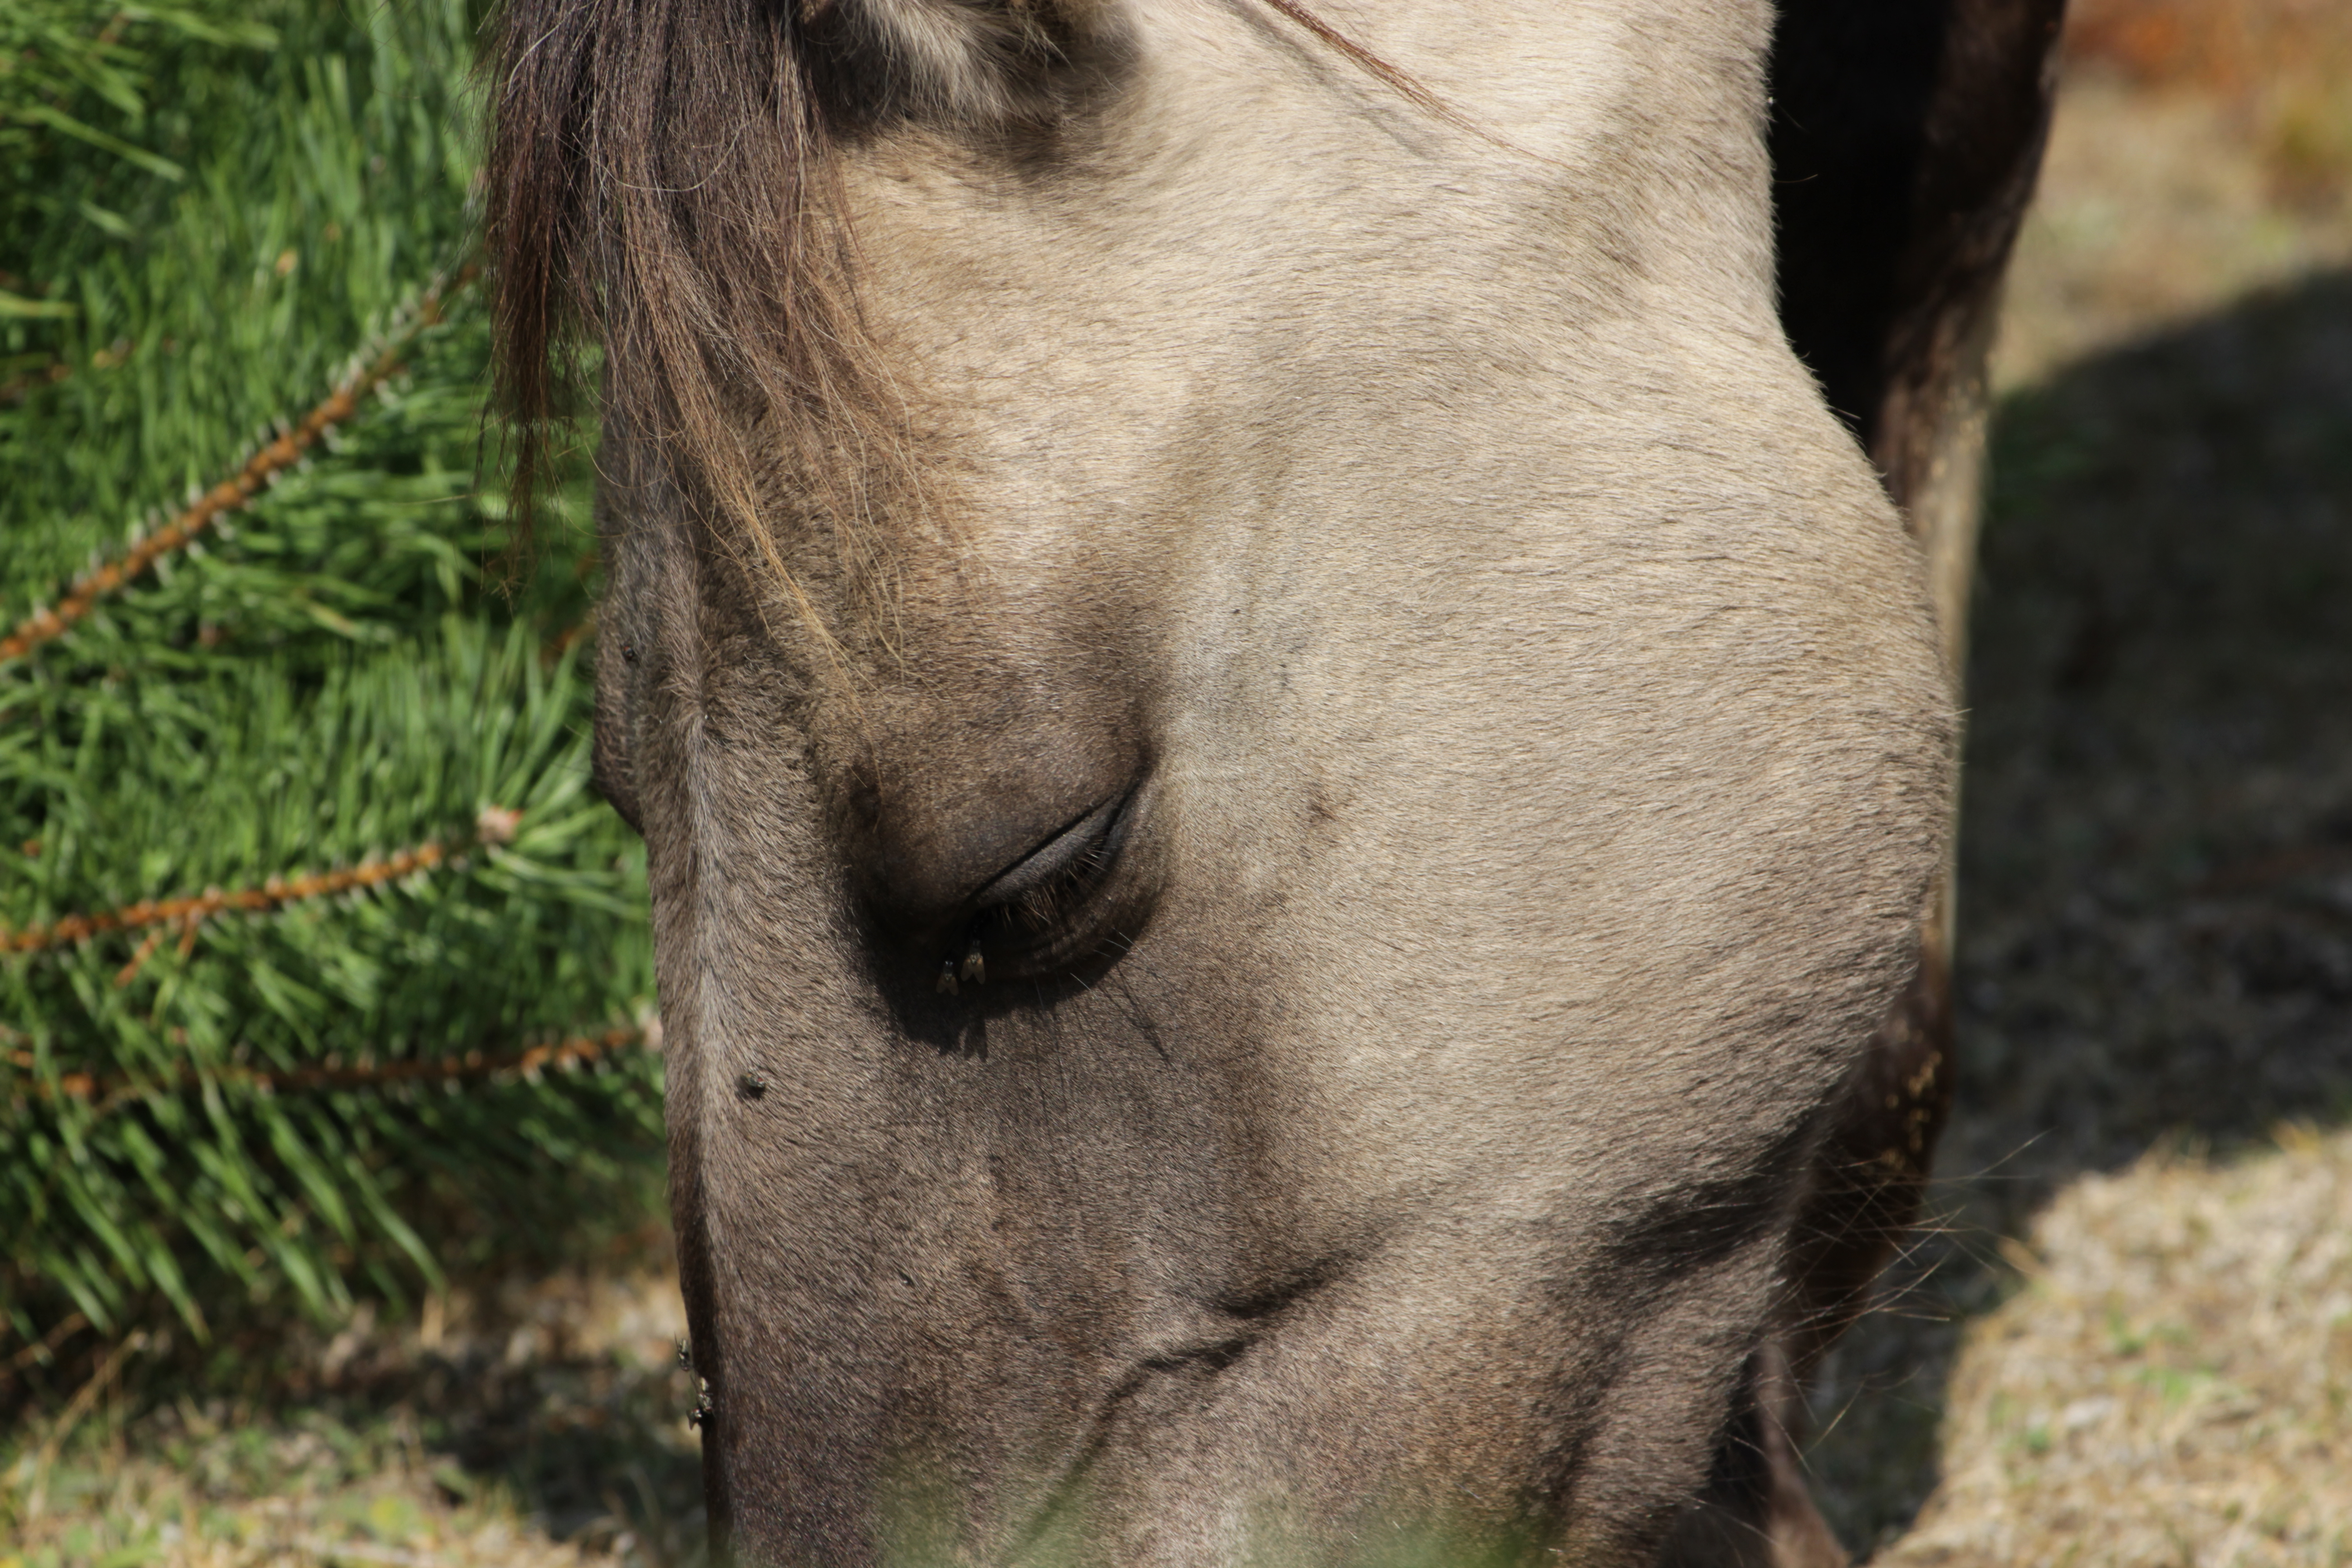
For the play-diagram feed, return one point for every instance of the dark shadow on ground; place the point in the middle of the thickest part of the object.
(589, 1444)
(2156, 889)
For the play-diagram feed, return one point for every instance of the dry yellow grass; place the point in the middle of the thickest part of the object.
(2280, 65)
(2154, 208)
(2202, 151)
(537, 1426)
(2173, 1382)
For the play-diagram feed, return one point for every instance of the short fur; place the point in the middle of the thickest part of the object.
(1289, 767)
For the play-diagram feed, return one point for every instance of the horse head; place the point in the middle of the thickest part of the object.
(1288, 764)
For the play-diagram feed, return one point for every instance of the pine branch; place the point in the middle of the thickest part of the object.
(566, 1055)
(496, 825)
(256, 1122)
(257, 472)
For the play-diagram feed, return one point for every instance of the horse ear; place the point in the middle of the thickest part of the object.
(977, 61)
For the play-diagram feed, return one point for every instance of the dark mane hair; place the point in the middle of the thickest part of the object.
(653, 177)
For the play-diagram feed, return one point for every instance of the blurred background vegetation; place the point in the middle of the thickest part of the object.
(324, 985)
(330, 1142)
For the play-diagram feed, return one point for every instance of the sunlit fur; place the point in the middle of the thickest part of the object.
(1355, 452)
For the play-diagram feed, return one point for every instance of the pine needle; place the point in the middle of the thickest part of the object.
(280, 1028)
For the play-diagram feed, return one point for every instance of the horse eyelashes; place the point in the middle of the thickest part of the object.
(1047, 911)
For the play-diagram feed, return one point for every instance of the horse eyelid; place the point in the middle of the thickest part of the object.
(1041, 866)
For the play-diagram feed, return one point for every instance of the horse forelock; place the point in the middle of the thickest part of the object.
(653, 187)
(662, 184)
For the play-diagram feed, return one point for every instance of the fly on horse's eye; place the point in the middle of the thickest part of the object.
(628, 653)
(975, 967)
(946, 984)
(753, 1084)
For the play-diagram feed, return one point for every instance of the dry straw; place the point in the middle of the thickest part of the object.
(2173, 1382)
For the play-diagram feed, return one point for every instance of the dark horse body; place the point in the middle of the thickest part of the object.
(1297, 787)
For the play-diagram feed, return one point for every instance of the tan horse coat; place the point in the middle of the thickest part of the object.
(1287, 761)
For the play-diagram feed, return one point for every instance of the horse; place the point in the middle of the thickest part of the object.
(1289, 677)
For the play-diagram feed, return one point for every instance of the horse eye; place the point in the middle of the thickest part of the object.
(1041, 910)
(1084, 845)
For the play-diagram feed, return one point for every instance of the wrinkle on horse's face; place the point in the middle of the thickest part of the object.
(1296, 980)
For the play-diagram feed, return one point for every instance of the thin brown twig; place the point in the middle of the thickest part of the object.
(146, 950)
(67, 1327)
(75, 1408)
(561, 1056)
(41, 1350)
(496, 825)
(258, 471)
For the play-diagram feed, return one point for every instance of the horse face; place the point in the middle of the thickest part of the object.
(1256, 932)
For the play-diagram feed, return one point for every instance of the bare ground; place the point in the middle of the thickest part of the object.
(540, 1424)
